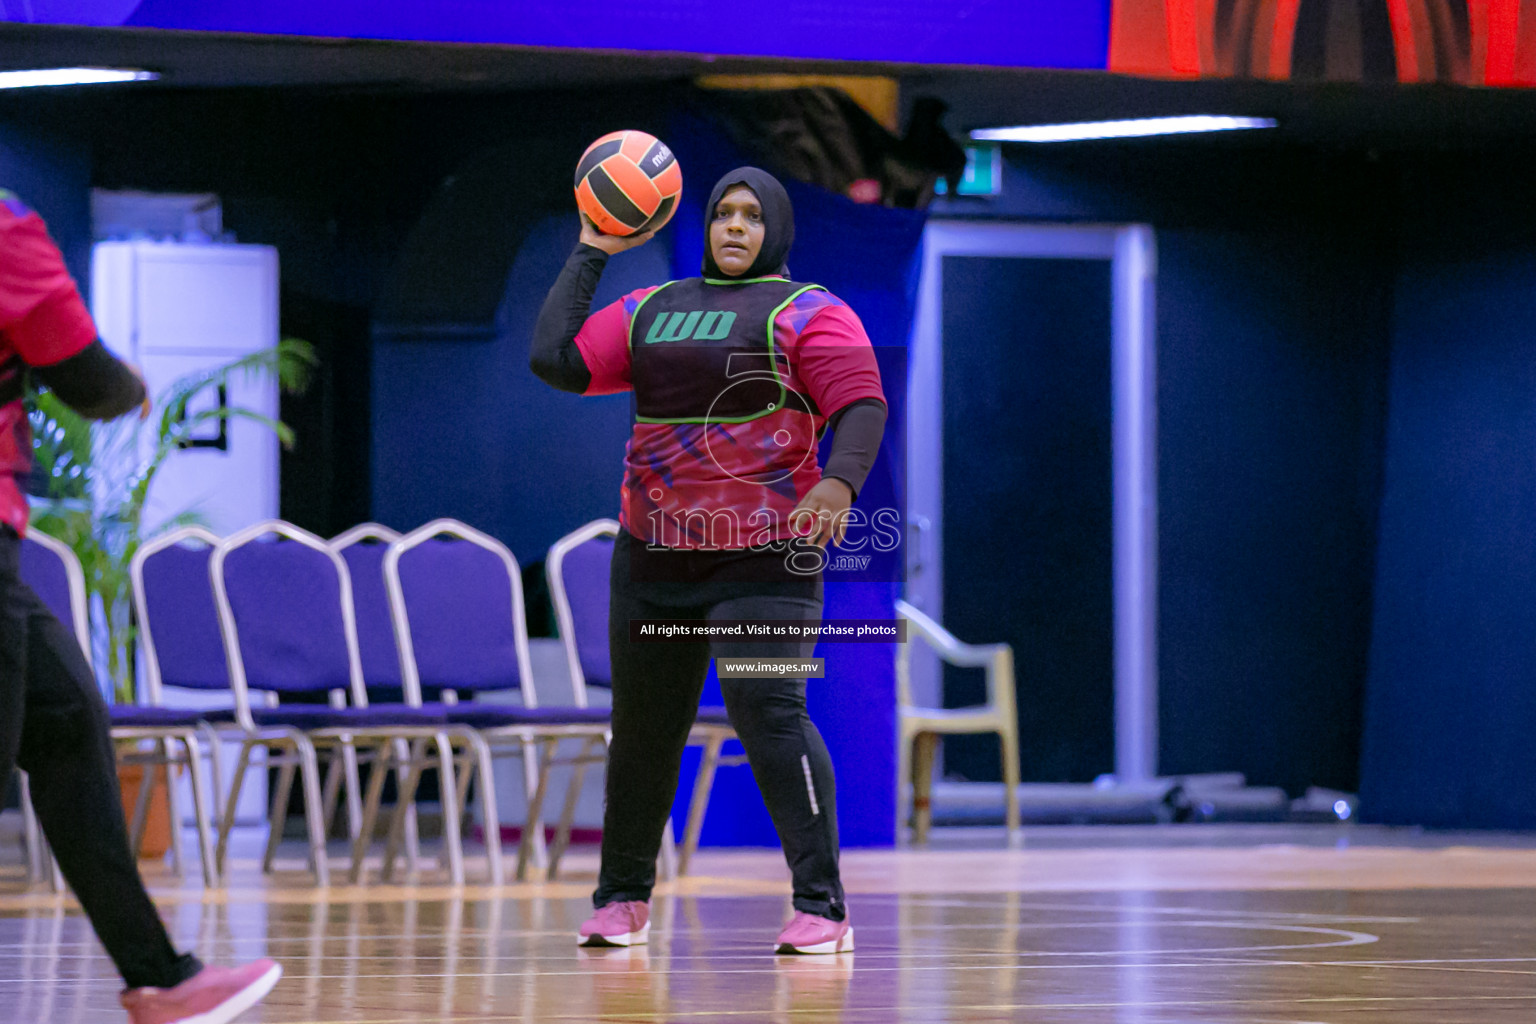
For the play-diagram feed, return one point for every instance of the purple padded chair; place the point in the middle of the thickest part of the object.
(285, 610)
(363, 548)
(54, 574)
(457, 599)
(179, 634)
(577, 569)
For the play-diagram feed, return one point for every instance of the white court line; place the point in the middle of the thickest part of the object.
(1121, 908)
(1451, 967)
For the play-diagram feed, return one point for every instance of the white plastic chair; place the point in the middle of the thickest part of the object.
(919, 728)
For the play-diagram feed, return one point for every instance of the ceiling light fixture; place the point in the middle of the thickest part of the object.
(1136, 128)
(40, 77)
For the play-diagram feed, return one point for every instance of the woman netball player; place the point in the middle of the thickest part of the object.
(724, 514)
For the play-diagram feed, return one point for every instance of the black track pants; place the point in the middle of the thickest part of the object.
(53, 723)
(656, 688)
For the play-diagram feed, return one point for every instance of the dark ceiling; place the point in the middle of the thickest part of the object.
(1335, 115)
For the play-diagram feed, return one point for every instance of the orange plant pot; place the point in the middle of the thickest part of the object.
(157, 829)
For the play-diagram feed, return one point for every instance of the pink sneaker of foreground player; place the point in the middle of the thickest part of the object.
(215, 995)
(618, 924)
(807, 933)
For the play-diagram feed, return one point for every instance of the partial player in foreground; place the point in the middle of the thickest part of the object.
(53, 722)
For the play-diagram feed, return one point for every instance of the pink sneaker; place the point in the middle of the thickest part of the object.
(807, 933)
(617, 924)
(215, 995)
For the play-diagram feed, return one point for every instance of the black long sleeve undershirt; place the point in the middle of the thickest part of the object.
(857, 429)
(554, 357)
(94, 383)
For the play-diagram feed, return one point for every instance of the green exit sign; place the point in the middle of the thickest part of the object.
(983, 172)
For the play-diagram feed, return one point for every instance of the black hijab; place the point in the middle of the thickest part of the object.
(778, 223)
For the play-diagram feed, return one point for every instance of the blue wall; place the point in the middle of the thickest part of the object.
(504, 450)
(1452, 708)
(1272, 355)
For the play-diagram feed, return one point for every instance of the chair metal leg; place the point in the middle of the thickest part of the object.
(404, 753)
(412, 838)
(925, 746)
(199, 784)
(227, 821)
(41, 863)
(1010, 738)
(37, 850)
(463, 775)
(408, 778)
(216, 770)
(370, 812)
(453, 838)
(354, 788)
(667, 861)
(173, 806)
(330, 792)
(279, 812)
(490, 814)
(309, 780)
(141, 810)
(709, 762)
(526, 852)
(572, 797)
(533, 778)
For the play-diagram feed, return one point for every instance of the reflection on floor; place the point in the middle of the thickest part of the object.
(1049, 931)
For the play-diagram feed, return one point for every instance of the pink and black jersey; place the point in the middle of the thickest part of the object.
(734, 382)
(42, 322)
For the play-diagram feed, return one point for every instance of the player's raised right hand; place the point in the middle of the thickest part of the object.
(610, 244)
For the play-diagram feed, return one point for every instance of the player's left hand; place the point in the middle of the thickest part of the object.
(145, 406)
(822, 515)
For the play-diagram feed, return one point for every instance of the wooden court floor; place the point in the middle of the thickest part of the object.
(1264, 934)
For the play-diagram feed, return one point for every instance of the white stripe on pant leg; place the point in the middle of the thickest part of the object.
(810, 787)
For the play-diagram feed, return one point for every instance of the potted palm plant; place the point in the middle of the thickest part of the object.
(91, 482)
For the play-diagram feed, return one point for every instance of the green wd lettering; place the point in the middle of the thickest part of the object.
(714, 326)
(698, 325)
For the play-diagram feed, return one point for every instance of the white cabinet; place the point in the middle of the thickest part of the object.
(172, 309)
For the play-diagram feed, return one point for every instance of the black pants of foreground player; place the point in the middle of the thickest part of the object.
(656, 688)
(53, 723)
